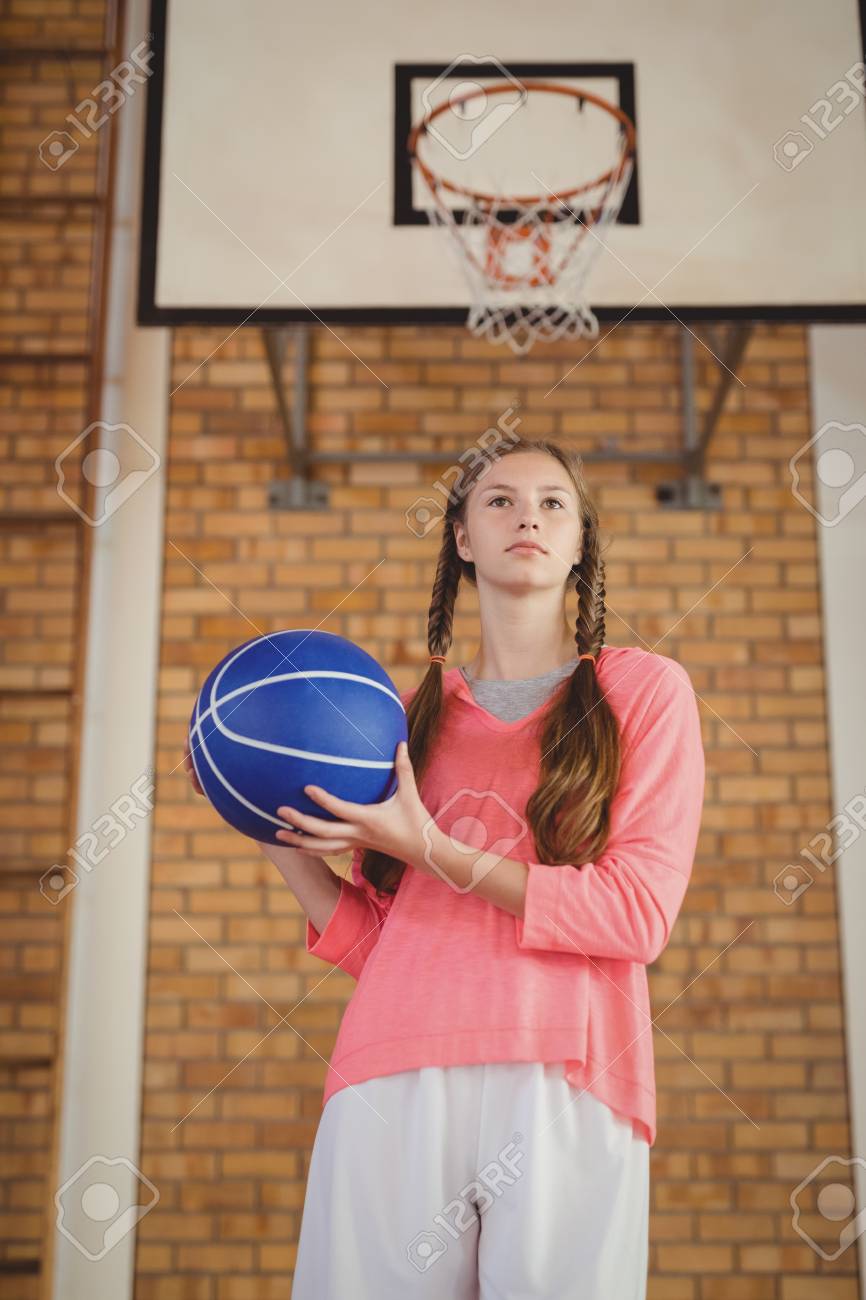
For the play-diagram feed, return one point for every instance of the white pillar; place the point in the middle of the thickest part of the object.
(838, 384)
(108, 935)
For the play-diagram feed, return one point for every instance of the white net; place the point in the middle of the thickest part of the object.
(526, 260)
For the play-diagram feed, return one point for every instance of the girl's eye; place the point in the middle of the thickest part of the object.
(556, 500)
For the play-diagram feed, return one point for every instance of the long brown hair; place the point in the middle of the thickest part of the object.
(569, 811)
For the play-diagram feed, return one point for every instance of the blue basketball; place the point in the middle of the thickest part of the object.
(290, 709)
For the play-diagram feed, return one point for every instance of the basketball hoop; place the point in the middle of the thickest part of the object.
(526, 258)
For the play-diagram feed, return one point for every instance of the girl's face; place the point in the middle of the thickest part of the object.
(524, 497)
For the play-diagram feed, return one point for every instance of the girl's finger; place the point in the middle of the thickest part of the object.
(315, 825)
(190, 770)
(348, 811)
(307, 844)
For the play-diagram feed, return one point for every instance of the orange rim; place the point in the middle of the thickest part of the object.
(435, 182)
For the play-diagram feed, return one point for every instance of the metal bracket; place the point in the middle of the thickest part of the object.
(299, 492)
(692, 491)
(689, 493)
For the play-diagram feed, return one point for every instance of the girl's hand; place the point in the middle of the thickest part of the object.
(190, 770)
(394, 827)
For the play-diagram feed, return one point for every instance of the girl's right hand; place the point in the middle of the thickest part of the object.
(190, 770)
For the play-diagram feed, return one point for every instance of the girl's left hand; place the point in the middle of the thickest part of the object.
(394, 827)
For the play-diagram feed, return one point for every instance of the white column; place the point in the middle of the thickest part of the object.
(838, 383)
(108, 937)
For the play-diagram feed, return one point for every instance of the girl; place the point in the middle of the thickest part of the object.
(490, 1104)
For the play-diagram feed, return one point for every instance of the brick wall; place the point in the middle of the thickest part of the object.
(46, 314)
(750, 1053)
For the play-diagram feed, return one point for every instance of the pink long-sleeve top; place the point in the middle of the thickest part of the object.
(448, 978)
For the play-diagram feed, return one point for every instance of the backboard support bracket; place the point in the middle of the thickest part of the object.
(299, 491)
(692, 491)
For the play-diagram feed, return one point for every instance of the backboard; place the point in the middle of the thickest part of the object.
(279, 188)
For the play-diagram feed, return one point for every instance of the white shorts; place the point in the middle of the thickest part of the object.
(475, 1182)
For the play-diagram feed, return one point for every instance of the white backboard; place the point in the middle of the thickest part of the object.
(278, 186)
